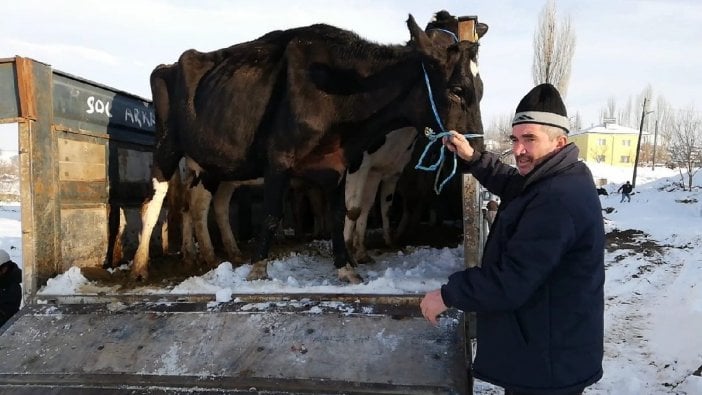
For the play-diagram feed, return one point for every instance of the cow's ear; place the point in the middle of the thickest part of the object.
(418, 37)
(481, 29)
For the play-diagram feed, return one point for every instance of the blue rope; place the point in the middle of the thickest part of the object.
(449, 32)
(434, 137)
(431, 99)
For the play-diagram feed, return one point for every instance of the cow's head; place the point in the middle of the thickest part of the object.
(451, 64)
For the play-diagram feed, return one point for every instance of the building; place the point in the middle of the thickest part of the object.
(608, 143)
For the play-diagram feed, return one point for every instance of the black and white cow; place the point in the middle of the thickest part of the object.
(383, 163)
(195, 217)
(302, 102)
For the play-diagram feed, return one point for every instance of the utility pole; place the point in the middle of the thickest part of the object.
(638, 142)
(655, 137)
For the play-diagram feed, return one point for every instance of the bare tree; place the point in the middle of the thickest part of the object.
(624, 114)
(663, 117)
(685, 146)
(649, 121)
(9, 179)
(554, 46)
(611, 109)
(499, 131)
(576, 122)
(598, 152)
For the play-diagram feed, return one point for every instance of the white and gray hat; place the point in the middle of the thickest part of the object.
(542, 105)
(4, 257)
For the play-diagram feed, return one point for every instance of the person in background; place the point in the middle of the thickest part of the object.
(491, 206)
(10, 289)
(626, 192)
(539, 291)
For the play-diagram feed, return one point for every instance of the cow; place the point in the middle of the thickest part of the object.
(199, 194)
(381, 167)
(384, 162)
(416, 195)
(301, 102)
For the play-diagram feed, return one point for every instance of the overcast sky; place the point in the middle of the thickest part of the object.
(621, 45)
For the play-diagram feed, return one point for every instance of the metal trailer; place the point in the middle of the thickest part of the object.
(85, 154)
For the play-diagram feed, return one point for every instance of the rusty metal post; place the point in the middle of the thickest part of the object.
(472, 221)
(25, 92)
(41, 250)
(472, 252)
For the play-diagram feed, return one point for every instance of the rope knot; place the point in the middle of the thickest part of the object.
(438, 165)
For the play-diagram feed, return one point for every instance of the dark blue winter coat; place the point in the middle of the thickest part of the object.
(10, 291)
(539, 291)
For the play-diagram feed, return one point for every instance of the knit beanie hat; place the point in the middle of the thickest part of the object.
(542, 105)
(4, 257)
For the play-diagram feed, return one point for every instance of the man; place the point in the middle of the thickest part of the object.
(538, 293)
(626, 192)
(10, 289)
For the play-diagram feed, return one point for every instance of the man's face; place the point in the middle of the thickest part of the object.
(531, 146)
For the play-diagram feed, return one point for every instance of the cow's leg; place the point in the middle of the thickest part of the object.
(200, 199)
(387, 193)
(222, 200)
(319, 212)
(275, 185)
(172, 231)
(367, 202)
(342, 260)
(187, 247)
(150, 212)
(296, 196)
(408, 209)
(115, 249)
(353, 196)
(350, 228)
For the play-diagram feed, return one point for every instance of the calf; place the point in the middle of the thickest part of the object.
(384, 162)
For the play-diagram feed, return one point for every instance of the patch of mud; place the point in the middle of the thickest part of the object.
(631, 242)
(634, 240)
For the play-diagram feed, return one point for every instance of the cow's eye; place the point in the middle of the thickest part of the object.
(457, 90)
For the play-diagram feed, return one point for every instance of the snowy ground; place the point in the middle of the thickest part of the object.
(653, 316)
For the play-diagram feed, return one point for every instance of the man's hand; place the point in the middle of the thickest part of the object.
(432, 305)
(457, 143)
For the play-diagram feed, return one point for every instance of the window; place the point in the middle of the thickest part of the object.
(626, 143)
(600, 158)
(624, 159)
(601, 141)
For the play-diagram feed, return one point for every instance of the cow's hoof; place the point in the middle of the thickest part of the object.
(140, 275)
(389, 239)
(211, 263)
(348, 274)
(365, 259)
(236, 260)
(258, 271)
(189, 260)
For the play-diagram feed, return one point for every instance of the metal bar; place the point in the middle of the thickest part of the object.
(255, 384)
(145, 140)
(410, 301)
(29, 271)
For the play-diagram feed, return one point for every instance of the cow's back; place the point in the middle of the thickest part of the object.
(218, 99)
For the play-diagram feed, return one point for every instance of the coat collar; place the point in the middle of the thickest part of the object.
(564, 159)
